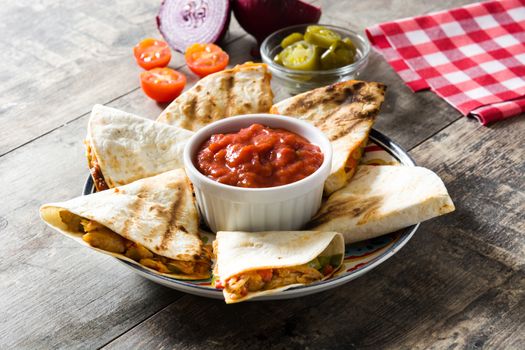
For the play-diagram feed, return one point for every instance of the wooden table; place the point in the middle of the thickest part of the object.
(459, 283)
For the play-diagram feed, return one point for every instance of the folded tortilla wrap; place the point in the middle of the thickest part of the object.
(241, 254)
(382, 199)
(345, 112)
(152, 222)
(122, 147)
(243, 89)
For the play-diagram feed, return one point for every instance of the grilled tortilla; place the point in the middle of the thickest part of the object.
(264, 263)
(345, 112)
(243, 89)
(382, 199)
(151, 222)
(122, 147)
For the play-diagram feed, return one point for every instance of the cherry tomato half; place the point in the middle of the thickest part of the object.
(162, 84)
(152, 53)
(204, 59)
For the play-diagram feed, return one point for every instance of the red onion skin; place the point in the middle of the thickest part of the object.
(261, 18)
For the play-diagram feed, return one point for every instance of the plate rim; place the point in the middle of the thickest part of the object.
(388, 145)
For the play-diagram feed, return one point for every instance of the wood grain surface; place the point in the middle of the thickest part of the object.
(458, 284)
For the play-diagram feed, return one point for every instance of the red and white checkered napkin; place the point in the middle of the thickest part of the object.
(472, 56)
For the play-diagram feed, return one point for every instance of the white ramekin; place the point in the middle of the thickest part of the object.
(230, 208)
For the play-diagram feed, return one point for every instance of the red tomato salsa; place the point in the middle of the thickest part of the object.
(258, 156)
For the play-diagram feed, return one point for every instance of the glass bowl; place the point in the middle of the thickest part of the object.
(295, 81)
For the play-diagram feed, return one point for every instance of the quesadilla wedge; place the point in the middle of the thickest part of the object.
(122, 147)
(151, 222)
(383, 199)
(243, 89)
(345, 112)
(251, 264)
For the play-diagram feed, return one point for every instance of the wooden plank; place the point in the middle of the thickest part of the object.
(361, 14)
(66, 58)
(483, 168)
(495, 320)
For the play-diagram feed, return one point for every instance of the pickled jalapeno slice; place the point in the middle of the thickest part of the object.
(350, 44)
(321, 36)
(277, 59)
(291, 39)
(319, 48)
(338, 55)
(300, 56)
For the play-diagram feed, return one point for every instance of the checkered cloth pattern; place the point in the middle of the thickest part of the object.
(472, 56)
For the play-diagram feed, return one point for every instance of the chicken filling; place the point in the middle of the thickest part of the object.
(260, 280)
(94, 168)
(355, 157)
(101, 237)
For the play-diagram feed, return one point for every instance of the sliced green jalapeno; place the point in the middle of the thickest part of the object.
(321, 36)
(291, 39)
(301, 56)
(338, 55)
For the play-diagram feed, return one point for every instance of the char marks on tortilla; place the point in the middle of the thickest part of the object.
(244, 89)
(345, 112)
(158, 213)
(382, 199)
(122, 147)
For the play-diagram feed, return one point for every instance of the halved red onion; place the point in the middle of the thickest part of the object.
(185, 22)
